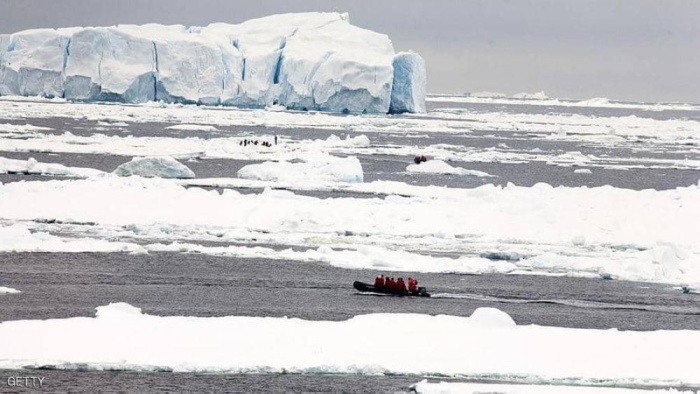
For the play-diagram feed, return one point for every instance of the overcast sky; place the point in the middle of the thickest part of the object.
(645, 50)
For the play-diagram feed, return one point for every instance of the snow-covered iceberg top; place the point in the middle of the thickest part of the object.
(155, 167)
(488, 343)
(300, 61)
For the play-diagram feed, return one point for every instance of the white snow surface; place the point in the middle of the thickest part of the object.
(301, 61)
(32, 166)
(9, 128)
(120, 336)
(155, 167)
(314, 168)
(623, 234)
(424, 387)
(441, 167)
(19, 238)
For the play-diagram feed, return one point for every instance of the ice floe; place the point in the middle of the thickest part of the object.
(313, 168)
(10, 128)
(594, 232)
(425, 387)
(32, 167)
(8, 290)
(440, 167)
(121, 336)
(19, 238)
(155, 167)
(192, 127)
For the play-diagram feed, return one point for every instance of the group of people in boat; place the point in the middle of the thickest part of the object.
(398, 285)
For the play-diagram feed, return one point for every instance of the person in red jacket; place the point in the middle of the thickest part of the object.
(390, 284)
(400, 285)
(412, 285)
(379, 282)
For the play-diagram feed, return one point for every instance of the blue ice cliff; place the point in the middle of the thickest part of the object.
(307, 61)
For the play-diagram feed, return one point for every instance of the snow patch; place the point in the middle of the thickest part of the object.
(8, 290)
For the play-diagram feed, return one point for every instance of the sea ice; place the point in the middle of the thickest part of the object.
(192, 127)
(19, 238)
(619, 233)
(158, 167)
(440, 167)
(313, 168)
(425, 387)
(121, 336)
(31, 166)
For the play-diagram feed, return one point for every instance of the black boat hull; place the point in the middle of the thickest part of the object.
(367, 288)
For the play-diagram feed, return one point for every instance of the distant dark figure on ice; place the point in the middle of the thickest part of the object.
(389, 285)
(266, 144)
(420, 159)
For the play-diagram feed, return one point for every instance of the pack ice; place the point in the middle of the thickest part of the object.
(301, 61)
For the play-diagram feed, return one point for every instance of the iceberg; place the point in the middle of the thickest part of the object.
(410, 84)
(306, 61)
(33, 63)
(155, 167)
